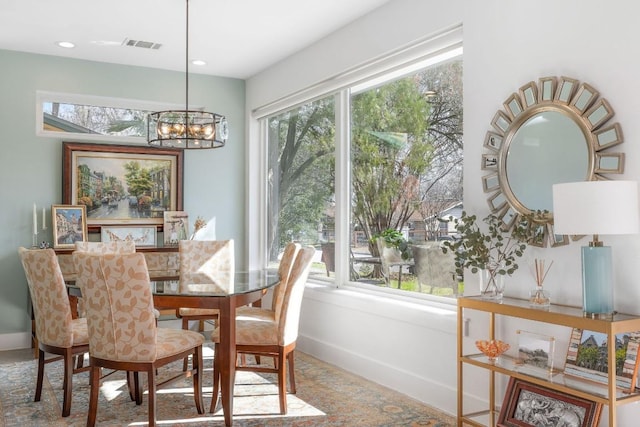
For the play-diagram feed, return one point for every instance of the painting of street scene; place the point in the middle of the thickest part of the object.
(122, 185)
(69, 225)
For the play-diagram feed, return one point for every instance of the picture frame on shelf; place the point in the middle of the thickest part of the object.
(535, 351)
(69, 224)
(141, 235)
(587, 357)
(121, 184)
(529, 405)
(176, 227)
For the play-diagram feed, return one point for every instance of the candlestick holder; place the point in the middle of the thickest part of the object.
(34, 242)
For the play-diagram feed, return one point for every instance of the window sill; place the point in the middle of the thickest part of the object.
(441, 316)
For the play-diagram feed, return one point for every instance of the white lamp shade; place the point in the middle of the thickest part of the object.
(596, 207)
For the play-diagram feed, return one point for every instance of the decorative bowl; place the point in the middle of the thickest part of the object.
(492, 348)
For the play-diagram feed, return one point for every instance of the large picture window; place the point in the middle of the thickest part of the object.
(403, 152)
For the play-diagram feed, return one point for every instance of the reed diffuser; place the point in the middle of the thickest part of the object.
(539, 297)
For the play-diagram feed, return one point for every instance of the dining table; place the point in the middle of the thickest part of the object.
(245, 287)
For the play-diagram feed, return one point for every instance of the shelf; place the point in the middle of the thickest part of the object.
(556, 314)
(567, 316)
(556, 379)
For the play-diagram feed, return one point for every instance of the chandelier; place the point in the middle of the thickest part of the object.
(184, 128)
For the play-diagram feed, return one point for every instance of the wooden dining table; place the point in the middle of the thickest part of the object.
(247, 287)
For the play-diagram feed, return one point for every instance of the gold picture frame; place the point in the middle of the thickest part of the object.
(69, 223)
(122, 184)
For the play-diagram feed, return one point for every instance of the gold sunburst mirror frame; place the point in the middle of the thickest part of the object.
(552, 131)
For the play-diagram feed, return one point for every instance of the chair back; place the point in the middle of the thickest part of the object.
(206, 264)
(119, 306)
(284, 269)
(289, 316)
(51, 308)
(115, 247)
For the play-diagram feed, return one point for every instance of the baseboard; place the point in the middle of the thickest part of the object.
(441, 396)
(15, 341)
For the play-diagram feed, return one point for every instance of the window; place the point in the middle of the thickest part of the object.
(403, 155)
(300, 170)
(94, 117)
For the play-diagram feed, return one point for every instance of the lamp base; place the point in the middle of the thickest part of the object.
(597, 282)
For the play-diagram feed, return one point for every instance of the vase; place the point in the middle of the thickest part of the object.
(492, 283)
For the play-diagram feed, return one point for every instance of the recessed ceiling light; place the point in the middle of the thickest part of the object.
(66, 45)
(198, 62)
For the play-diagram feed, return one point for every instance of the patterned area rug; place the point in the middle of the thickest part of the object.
(326, 396)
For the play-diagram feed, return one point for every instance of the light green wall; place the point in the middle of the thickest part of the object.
(31, 166)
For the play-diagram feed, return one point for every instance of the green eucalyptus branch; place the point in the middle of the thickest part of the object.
(498, 247)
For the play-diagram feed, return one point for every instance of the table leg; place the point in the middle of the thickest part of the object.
(227, 356)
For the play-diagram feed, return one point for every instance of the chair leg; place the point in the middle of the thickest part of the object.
(137, 384)
(216, 379)
(282, 382)
(94, 380)
(151, 380)
(197, 378)
(40, 377)
(292, 378)
(185, 364)
(68, 361)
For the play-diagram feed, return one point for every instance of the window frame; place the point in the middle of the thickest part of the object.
(98, 101)
(405, 61)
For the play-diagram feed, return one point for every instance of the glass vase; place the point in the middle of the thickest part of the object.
(492, 283)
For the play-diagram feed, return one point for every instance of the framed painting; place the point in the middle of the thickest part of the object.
(142, 236)
(530, 405)
(69, 225)
(121, 184)
(176, 227)
(587, 357)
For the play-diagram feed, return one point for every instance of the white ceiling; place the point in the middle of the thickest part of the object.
(237, 38)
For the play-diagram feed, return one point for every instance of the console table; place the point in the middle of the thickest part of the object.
(572, 317)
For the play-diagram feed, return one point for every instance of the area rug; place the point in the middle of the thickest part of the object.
(326, 396)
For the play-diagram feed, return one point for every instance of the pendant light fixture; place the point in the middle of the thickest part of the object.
(184, 128)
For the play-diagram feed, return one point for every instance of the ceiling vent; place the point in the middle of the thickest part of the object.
(142, 44)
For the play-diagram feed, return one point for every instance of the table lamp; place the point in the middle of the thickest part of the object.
(596, 208)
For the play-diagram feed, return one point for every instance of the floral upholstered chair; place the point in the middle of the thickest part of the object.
(56, 331)
(271, 335)
(104, 248)
(124, 247)
(204, 263)
(122, 330)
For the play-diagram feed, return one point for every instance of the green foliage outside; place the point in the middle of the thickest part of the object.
(406, 143)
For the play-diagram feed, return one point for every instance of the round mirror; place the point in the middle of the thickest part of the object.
(551, 132)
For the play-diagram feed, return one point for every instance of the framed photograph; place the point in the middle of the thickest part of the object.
(69, 225)
(120, 184)
(176, 227)
(143, 235)
(535, 350)
(530, 405)
(587, 357)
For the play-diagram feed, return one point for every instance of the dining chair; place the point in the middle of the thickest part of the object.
(203, 262)
(114, 247)
(56, 331)
(272, 335)
(122, 330)
(277, 295)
